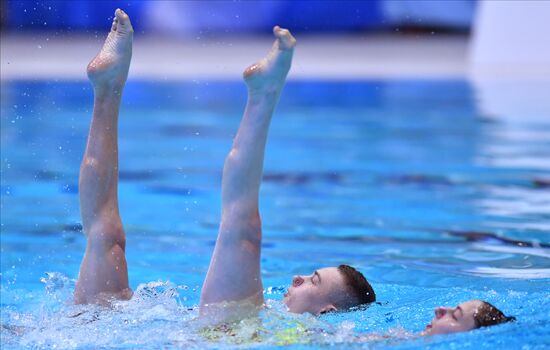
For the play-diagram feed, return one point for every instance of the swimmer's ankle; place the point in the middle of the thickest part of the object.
(111, 91)
(108, 92)
(264, 93)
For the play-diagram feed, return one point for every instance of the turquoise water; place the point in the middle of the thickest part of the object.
(406, 180)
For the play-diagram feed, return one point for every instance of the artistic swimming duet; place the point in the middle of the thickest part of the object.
(233, 286)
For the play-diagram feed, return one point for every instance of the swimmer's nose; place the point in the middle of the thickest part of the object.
(439, 312)
(297, 281)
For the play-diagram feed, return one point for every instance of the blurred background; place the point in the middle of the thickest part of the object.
(339, 40)
(412, 141)
(230, 17)
(184, 39)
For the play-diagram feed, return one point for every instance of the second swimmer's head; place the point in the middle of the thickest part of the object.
(465, 317)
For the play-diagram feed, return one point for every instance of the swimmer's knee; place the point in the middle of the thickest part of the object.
(92, 168)
(107, 236)
(90, 164)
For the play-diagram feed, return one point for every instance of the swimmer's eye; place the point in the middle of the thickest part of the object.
(453, 314)
(316, 281)
(455, 311)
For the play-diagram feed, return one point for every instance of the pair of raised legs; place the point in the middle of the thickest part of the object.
(234, 272)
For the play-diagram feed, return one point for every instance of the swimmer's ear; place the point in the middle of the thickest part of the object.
(327, 309)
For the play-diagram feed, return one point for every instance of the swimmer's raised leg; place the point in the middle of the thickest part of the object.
(234, 272)
(103, 272)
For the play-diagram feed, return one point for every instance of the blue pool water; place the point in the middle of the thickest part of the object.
(406, 180)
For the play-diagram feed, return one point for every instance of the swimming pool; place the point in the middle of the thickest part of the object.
(405, 180)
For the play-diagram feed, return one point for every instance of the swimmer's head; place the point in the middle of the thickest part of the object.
(465, 317)
(328, 289)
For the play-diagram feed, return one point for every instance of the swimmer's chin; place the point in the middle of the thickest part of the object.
(427, 331)
(286, 300)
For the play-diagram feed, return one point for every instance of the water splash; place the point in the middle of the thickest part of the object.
(156, 317)
(58, 287)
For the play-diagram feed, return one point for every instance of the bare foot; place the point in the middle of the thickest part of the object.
(109, 69)
(268, 75)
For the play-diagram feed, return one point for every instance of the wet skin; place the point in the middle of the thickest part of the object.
(104, 272)
(317, 293)
(453, 319)
(234, 272)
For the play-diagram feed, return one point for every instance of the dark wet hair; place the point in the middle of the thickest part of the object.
(488, 315)
(358, 285)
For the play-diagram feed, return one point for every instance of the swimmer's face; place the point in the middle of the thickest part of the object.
(316, 293)
(454, 319)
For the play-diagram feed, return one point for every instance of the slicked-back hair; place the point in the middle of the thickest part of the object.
(488, 315)
(357, 285)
